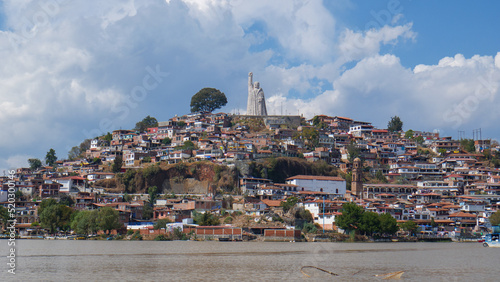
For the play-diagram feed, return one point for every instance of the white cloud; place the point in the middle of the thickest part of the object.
(357, 45)
(304, 28)
(13, 162)
(456, 93)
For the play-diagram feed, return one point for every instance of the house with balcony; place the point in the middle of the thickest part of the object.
(49, 189)
(402, 191)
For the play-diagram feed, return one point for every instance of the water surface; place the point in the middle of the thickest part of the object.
(248, 261)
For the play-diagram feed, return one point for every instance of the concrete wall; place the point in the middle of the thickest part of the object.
(282, 235)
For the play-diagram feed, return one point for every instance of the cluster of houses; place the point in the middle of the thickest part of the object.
(426, 178)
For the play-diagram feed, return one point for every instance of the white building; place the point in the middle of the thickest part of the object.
(94, 176)
(326, 220)
(71, 183)
(327, 184)
(360, 130)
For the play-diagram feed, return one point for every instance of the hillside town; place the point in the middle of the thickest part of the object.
(447, 188)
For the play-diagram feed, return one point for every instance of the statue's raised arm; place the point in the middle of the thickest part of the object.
(250, 81)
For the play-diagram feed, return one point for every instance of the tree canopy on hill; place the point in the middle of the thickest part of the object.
(395, 124)
(208, 99)
(146, 123)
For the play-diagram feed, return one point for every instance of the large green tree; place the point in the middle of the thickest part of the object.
(350, 218)
(353, 151)
(108, 137)
(310, 136)
(35, 164)
(54, 215)
(74, 153)
(468, 145)
(117, 164)
(495, 218)
(153, 194)
(50, 158)
(370, 223)
(318, 123)
(161, 223)
(166, 141)
(50, 218)
(388, 224)
(410, 226)
(395, 124)
(108, 219)
(208, 99)
(289, 203)
(205, 219)
(187, 145)
(46, 203)
(79, 151)
(66, 200)
(4, 216)
(381, 177)
(146, 123)
(409, 134)
(85, 222)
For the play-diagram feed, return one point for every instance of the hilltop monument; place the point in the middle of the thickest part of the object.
(256, 105)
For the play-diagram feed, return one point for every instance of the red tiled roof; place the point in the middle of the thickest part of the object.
(344, 118)
(462, 214)
(272, 203)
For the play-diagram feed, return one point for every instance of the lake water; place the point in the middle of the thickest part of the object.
(60, 260)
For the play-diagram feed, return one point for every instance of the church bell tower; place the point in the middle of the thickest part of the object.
(357, 179)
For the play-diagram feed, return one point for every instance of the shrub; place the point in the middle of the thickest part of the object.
(162, 237)
(178, 235)
(161, 223)
(237, 213)
(137, 236)
(277, 218)
(309, 228)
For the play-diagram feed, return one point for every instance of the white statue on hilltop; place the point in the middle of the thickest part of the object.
(256, 105)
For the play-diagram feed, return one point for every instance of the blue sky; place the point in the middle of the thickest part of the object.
(75, 69)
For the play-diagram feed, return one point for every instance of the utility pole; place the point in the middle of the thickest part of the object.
(323, 214)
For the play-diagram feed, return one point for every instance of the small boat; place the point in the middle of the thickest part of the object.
(391, 276)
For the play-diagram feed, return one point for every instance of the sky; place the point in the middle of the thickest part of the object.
(72, 70)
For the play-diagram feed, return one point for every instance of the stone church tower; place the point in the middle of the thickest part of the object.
(357, 179)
